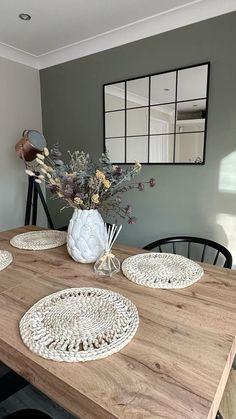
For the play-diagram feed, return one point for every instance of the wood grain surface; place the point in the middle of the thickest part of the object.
(228, 402)
(177, 365)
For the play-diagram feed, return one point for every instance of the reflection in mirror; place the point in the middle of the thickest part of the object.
(115, 124)
(189, 147)
(162, 119)
(138, 92)
(137, 121)
(161, 148)
(114, 96)
(163, 88)
(116, 149)
(191, 116)
(159, 118)
(137, 149)
(192, 83)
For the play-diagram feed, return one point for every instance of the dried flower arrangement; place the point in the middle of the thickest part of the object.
(86, 185)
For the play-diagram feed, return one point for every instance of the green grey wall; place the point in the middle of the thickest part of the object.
(191, 200)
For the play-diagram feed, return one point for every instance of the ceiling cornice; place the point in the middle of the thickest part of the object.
(188, 14)
(19, 56)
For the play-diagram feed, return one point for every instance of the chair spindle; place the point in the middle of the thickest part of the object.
(189, 250)
(174, 249)
(216, 258)
(203, 253)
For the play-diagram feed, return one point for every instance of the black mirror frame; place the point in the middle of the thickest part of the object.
(149, 105)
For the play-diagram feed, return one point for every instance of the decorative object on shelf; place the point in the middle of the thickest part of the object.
(79, 324)
(39, 240)
(158, 118)
(161, 270)
(5, 259)
(87, 187)
(108, 264)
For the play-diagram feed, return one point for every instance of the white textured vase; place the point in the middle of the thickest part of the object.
(86, 236)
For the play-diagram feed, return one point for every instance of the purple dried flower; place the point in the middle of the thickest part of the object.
(128, 210)
(152, 182)
(53, 188)
(140, 186)
(80, 195)
(69, 179)
(68, 193)
(117, 170)
(132, 220)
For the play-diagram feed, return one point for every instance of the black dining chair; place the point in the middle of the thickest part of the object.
(11, 383)
(195, 248)
(28, 414)
(170, 245)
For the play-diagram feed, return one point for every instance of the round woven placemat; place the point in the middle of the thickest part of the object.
(5, 259)
(39, 240)
(79, 324)
(161, 270)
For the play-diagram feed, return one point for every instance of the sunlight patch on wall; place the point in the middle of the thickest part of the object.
(227, 177)
(228, 223)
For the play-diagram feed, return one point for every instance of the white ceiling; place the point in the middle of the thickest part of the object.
(57, 23)
(65, 29)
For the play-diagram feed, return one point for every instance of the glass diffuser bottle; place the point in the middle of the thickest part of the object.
(108, 264)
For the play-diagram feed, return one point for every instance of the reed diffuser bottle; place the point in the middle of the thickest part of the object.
(108, 264)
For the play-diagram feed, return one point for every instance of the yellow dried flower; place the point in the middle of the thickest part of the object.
(46, 152)
(71, 174)
(78, 200)
(38, 180)
(29, 172)
(44, 171)
(95, 198)
(40, 156)
(52, 181)
(100, 175)
(49, 176)
(41, 177)
(137, 165)
(45, 167)
(60, 194)
(39, 161)
(106, 184)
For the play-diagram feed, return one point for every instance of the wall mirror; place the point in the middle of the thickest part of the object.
(159, 118)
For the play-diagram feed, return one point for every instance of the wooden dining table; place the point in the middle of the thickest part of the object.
(175, 367)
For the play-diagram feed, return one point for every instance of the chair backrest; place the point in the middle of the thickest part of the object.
(28, 414)
(219, 250)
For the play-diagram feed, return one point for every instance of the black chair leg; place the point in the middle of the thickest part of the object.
(10, 383)
(219, 416)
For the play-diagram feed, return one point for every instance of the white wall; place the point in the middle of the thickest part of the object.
(20, 108)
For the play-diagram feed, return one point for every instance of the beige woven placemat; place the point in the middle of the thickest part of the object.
(161, 270)
(79, 324)
(5, 259)
(39, 240)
